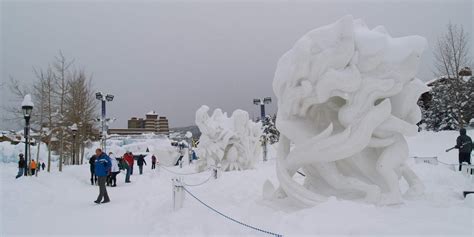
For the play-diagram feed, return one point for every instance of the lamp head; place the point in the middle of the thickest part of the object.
(109, 97)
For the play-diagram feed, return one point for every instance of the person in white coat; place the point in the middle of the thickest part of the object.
(114, 170)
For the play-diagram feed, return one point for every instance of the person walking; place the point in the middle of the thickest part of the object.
(153, 162)
(128, 161)
(140, 162)
(92, 169)
(464, 144)
(132, 162)
(102, 166)
(114, 170)
(21, 166)
(43, 166)
(33, 167)
(181, 155)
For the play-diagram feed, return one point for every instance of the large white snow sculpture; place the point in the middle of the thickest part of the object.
(347, 96)
(231, 143)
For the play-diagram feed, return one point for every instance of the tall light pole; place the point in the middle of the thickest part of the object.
(262, 103)
(103, 98)
(27, 107)
(74, 132)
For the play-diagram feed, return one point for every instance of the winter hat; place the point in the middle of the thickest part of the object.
(462, 131)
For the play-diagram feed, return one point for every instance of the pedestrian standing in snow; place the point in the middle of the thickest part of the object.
(464, 144)
(181, 155)
(133, 162)
(140, 162)
(33, 167)
(92, 169)
(114, 170)
(153, 162)
(102, 166)
(128, 161)
(21, 166)
(43, 166)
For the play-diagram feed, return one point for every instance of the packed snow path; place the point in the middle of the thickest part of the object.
(62, 203)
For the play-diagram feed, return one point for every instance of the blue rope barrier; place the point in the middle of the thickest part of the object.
(230, 218)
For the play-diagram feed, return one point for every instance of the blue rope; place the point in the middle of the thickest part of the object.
(230, 218)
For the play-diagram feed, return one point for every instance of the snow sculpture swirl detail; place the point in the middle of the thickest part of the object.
(347, 96)
(232, 143)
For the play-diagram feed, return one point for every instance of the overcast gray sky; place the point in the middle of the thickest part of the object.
(173, 57)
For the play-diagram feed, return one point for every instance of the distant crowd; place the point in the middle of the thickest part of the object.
(31, 168)
(105, 168)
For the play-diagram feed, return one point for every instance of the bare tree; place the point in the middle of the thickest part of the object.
(452, 54)
(61, 67)
(80, 96)
(43, 93)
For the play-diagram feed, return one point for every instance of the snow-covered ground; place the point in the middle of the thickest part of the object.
(62, 204)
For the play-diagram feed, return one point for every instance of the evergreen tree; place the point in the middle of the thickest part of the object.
(270, 132)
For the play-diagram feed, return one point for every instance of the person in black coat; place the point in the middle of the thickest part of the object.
(140, 162)
(21, 166)
(92, 168)
(464, 144)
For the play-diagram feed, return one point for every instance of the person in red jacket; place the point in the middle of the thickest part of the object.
(128, 157)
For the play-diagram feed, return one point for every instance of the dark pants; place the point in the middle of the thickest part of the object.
(102, 190)
(153, 165)
(93, 177)
(113, 178)
(131, 170)
(127, 176)
(140, 168)
(33, 171)
(464, 157)
(20, 173)
(179, 159)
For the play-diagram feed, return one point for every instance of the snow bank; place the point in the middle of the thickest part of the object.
(10, 152)
(160, 146)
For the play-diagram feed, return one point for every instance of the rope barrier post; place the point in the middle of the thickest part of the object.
(178, 194)
(467, 171)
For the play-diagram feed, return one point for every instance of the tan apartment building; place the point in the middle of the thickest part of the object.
(152, 123)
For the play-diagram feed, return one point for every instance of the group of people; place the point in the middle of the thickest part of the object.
(32, 167)
(105, 168)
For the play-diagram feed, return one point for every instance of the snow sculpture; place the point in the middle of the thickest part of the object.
(231, 143)
(346, 98)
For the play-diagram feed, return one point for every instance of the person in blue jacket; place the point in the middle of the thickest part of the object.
(103, 163)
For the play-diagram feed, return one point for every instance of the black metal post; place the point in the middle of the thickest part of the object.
(26, 133)
(73, 148)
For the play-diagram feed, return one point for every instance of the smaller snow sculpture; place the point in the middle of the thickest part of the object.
(233, 143)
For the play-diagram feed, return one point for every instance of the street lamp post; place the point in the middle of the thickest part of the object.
(103, 98)
(74, 132)
(27, 107)
(262, 103)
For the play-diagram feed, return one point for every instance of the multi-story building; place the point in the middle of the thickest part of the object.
(152, 123)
